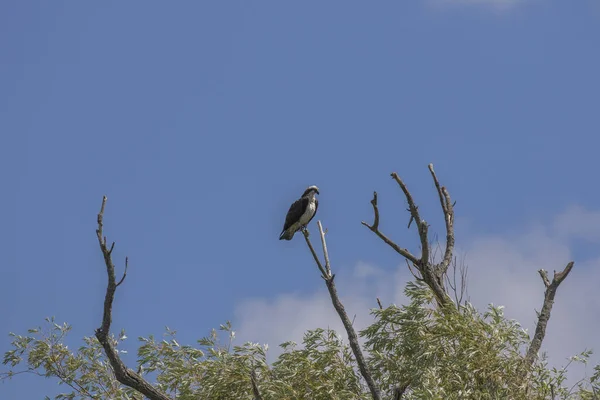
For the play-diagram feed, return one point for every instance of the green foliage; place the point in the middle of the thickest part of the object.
(445, 354)
(324, 369)
(86, 372)
(455, 354)
(440, 353)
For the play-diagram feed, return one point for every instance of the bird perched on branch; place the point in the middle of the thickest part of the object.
(301, 212)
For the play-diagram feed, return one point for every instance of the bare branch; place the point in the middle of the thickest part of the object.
(410, 221)
(353, 339)
(438, 187)
(124, 272)
(459, 293)
(324, 273)
(421, 224)
(399, 391)
(379, 303)
(123, 374)
(375, 212)
(413, 272)
(375, 228)
(433, 274)
(255, 390)
(544, 316)
(448, 209)
(544, 276)
(325, 252)
(339, 307)
(464, 271)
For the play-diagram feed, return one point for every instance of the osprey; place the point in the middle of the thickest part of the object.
(301, 212)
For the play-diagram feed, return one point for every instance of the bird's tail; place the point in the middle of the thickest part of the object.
(287, 235)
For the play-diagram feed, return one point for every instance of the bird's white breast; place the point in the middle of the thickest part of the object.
(309, 212)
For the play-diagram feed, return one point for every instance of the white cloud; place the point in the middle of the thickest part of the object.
(502, 270)
(289, 316)
(578, 223)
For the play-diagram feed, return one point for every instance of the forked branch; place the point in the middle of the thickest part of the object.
(432, 274)
(544, 316)
(123, 374)
(339, 307)
(414, 215)
(375, 228)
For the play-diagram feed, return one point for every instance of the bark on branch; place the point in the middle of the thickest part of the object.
(433, 274)
(123, 374)
(253, 380)
(544, 316)
(339, 307)
(375, 228)
(448, 209)
(399, 391)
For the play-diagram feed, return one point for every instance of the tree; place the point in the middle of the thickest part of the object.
(435, 347)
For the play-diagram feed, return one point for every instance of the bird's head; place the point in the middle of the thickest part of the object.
(311, 190)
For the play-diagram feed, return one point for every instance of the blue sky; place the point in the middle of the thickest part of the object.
(202, 121)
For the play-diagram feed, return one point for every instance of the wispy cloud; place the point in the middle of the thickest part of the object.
(502, 270)
(288, 316)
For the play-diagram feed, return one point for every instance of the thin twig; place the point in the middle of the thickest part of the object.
(421, 224)
(418, 278)
(10, 374)
(448, 209)
(375, 229)
(324, 273)
(379, 303)
(325, 252)
(339, 307)
(453, 284)
(544, 316)
(438, 187)
(375, 212)
(124, 272)
(123, 374)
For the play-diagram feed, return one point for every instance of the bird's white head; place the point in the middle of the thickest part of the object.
(310, 191)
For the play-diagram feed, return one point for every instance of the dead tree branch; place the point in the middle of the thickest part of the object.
(459, 289)
(339, 307)
(418, 278)
(448, 209)
(433, 274)
(375, 228)
(399, 391)
(325, 252)
(324, 273)
(123, 374)
(253, 379)
(544, 316)
(414, 214)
